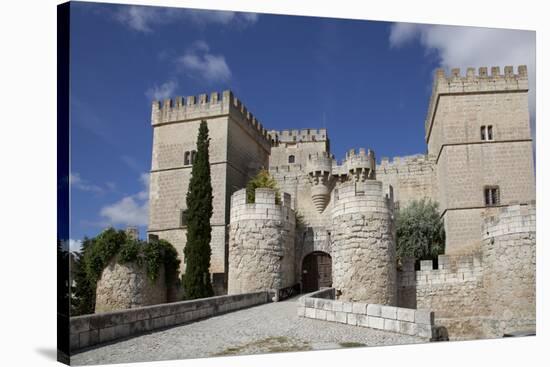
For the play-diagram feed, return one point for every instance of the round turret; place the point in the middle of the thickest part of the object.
(319, 170)
(360, 166)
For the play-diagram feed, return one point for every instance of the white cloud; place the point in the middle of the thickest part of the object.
(131, 210)
(75, 245)
(464, 47)
(165, 90)
(199, 62)
(145, 18)
(79, 183)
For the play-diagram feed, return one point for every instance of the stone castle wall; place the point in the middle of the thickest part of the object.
(123, 286)
(363, 243)
(453, 291)
(261, 243)
(412, 177)
(486, 294)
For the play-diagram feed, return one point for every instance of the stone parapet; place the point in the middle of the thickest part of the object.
(321, 305)
(294, 136)
(206, 106)
(89, 330)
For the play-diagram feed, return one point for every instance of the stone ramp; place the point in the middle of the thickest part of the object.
(268, 328)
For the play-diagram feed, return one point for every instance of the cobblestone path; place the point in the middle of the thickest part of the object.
(273, 327)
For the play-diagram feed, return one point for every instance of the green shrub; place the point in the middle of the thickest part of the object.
(262, 180)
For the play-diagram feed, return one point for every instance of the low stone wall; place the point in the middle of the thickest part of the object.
(322, 306)
(94, 329)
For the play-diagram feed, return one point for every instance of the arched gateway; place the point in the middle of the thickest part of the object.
(316, 271)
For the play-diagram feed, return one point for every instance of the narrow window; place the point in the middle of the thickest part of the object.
(186, 159)
(291, 159)
(492, 196)
(483, 134)
(193, 156)
(490, 132)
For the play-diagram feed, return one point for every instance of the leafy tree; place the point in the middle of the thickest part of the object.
(196, 280)
(83, 293)
(420, 231)
(262, 180)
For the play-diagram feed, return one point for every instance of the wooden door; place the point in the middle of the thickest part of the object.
(316, 271)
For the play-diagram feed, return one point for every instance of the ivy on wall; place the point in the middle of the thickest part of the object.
(97, 252)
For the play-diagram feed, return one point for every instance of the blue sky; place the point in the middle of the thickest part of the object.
(367, 82)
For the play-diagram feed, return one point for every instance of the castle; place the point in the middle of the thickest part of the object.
(334, 225)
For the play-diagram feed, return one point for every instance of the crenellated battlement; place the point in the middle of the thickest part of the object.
(472, 82)
(204, 106)
(265, 206)
(295, 136)
(321, 162)
(450, 270)
(359, 164)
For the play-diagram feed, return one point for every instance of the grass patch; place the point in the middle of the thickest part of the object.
(351, 344)
(274, 344)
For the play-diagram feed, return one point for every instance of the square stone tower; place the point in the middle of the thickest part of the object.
(477, 128)
(239, 147)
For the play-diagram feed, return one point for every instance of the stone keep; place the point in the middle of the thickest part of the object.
(261, 242)
(239, 146)
(465, 161)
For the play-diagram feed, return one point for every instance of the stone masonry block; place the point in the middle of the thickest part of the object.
(352, 319)
(425, 317)
(374, 310)
(347, 307)
(301, 311)
(424, 331)
(337, 306)
(375, 322)
(408, 328)
(362, 320)
(310, 312)
(320, 314)
(331, 316)
(341, 317)
(389, 312)
(359, 308)
(391, 325)
(405, 314)
(327, 305)
(106, 334)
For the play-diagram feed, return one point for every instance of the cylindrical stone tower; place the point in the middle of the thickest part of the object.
(261, 243)
(363, 242)
(509, 271)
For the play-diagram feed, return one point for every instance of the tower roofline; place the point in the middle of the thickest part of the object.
(457, 84)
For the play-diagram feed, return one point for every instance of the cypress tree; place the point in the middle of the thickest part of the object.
(196, 280)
